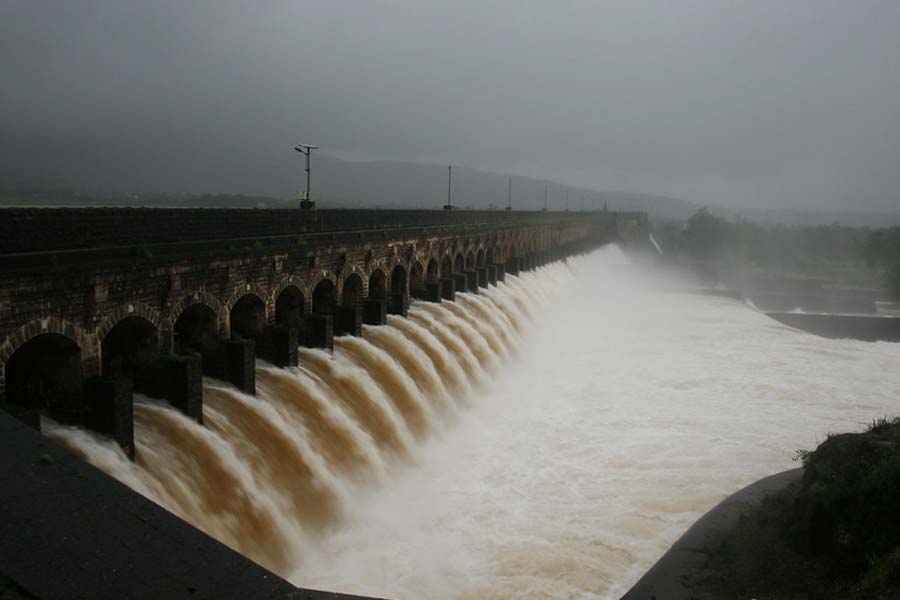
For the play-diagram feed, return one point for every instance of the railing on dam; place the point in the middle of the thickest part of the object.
(41, 230)
(96, 304)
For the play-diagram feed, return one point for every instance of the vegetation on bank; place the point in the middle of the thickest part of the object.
(835, 534)
(834, 253)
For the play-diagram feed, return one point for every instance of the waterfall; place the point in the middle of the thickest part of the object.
(269, 474)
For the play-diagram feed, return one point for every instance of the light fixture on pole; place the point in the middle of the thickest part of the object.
(306, 150)
(449, 205)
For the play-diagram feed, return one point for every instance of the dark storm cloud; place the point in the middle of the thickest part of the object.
(734, 103)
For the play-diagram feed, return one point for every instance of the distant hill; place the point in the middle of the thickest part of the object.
(403, 184)
(338, 183)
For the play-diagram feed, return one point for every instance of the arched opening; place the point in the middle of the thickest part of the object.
(480, 258)
(196, 332)
(459, 263)
(349, 317)
(512, 263)
(324, 298)
(353, 290)
(43, 376)
(432, 273)
(378, 285)
(289, 307)
(417, 281)
(470, 261)
(397, 304)
(248, 318)
(375, 306)
(446, 266)
(131, 349)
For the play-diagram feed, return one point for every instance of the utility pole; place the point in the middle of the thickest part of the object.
(449, 205)
(509, 196)
(545, 197)
(306, 150)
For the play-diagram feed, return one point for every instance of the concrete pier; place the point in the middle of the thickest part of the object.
(320, 331)
(374, 311)
(240, 361)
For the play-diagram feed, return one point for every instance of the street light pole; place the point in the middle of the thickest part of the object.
(449, 205)
(545, 197)
(509, 196)
(306, 150)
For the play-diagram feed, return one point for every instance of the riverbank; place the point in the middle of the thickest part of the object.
(683, 572)
(830, 530)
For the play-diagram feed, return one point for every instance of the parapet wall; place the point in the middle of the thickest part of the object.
(42, 230)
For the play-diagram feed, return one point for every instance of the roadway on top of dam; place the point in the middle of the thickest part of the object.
(40, 231)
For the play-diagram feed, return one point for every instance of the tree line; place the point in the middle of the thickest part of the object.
(786, 248)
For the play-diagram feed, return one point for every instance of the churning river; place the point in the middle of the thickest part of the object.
(549, 438)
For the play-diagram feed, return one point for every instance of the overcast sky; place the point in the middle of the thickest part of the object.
(736, 103)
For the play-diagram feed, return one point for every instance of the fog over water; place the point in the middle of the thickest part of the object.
(606, 417)
(628, 414)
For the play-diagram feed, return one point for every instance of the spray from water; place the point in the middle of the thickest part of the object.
(271, 473)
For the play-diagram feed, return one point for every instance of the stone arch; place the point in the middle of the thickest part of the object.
(317, 279)
(294, 281)
(346, 271)
(247, 316)
(495, 253)
(352, 290)
(324, 297)
(480, 258)
(446, 268)
(135, 309)
(433, 270)
(417, 287)
(131, 349)
(470, 259)
(197, 297)
(43, 366)
(290, 305)
(242, 291)
(197, 330)
(459, 263)
(377, 284)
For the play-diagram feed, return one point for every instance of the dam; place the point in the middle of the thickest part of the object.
(101, 303)
(246, 369)
(546, 435)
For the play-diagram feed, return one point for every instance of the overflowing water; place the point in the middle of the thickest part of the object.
(548, 438)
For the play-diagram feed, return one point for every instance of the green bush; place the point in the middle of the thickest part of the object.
(848, 510)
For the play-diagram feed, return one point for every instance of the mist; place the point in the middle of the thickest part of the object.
(741, 105)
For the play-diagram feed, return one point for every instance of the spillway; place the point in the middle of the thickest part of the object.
(272, 475)
(547, 438)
